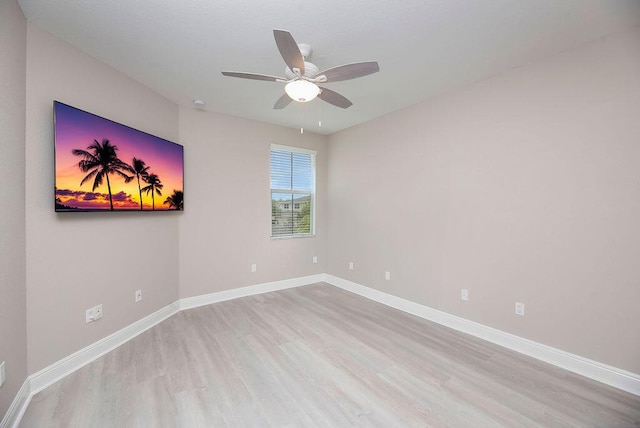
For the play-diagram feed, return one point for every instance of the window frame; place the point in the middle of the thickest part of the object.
(312, 193)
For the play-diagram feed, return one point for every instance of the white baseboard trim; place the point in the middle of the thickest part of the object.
(613, 376)
(19, 405)
(251, 290)
(56, 371)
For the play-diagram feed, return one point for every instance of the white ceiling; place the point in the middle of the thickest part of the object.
(424, 47)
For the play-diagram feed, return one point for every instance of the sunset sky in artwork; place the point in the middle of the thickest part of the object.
(77, 129)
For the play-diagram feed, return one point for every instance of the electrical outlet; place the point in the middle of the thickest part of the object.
(254, 267)
(3, 373)
(350, 265)
(93, 314)
(138, 296)
(519, 308)
(387, 275)
(464, 294)
(315, 259)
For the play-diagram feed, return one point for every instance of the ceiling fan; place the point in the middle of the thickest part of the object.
(303, 76)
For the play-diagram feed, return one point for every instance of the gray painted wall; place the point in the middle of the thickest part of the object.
(78, 260)
(13, 347)
(523, 187)
(227, 227)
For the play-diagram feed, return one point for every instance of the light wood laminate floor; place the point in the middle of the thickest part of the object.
(318, 356)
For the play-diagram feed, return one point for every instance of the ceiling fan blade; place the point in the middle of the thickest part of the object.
(289, 50)
(282, 102)
(350, 71)
(334, 98)
(253, 76)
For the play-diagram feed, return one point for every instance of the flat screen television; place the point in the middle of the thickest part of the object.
(101, 165)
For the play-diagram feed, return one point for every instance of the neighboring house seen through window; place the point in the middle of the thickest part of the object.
(292, 191)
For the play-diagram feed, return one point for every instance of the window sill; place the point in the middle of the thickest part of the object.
(278, 238)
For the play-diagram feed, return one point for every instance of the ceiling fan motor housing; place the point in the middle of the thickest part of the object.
(310, 70)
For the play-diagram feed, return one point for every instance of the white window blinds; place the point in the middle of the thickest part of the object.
(292, 191)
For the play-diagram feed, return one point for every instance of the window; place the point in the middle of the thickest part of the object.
(293, 177)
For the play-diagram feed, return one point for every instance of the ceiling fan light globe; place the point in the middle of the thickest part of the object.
(302, 90)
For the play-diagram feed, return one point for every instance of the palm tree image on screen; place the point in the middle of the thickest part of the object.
(100, 160)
